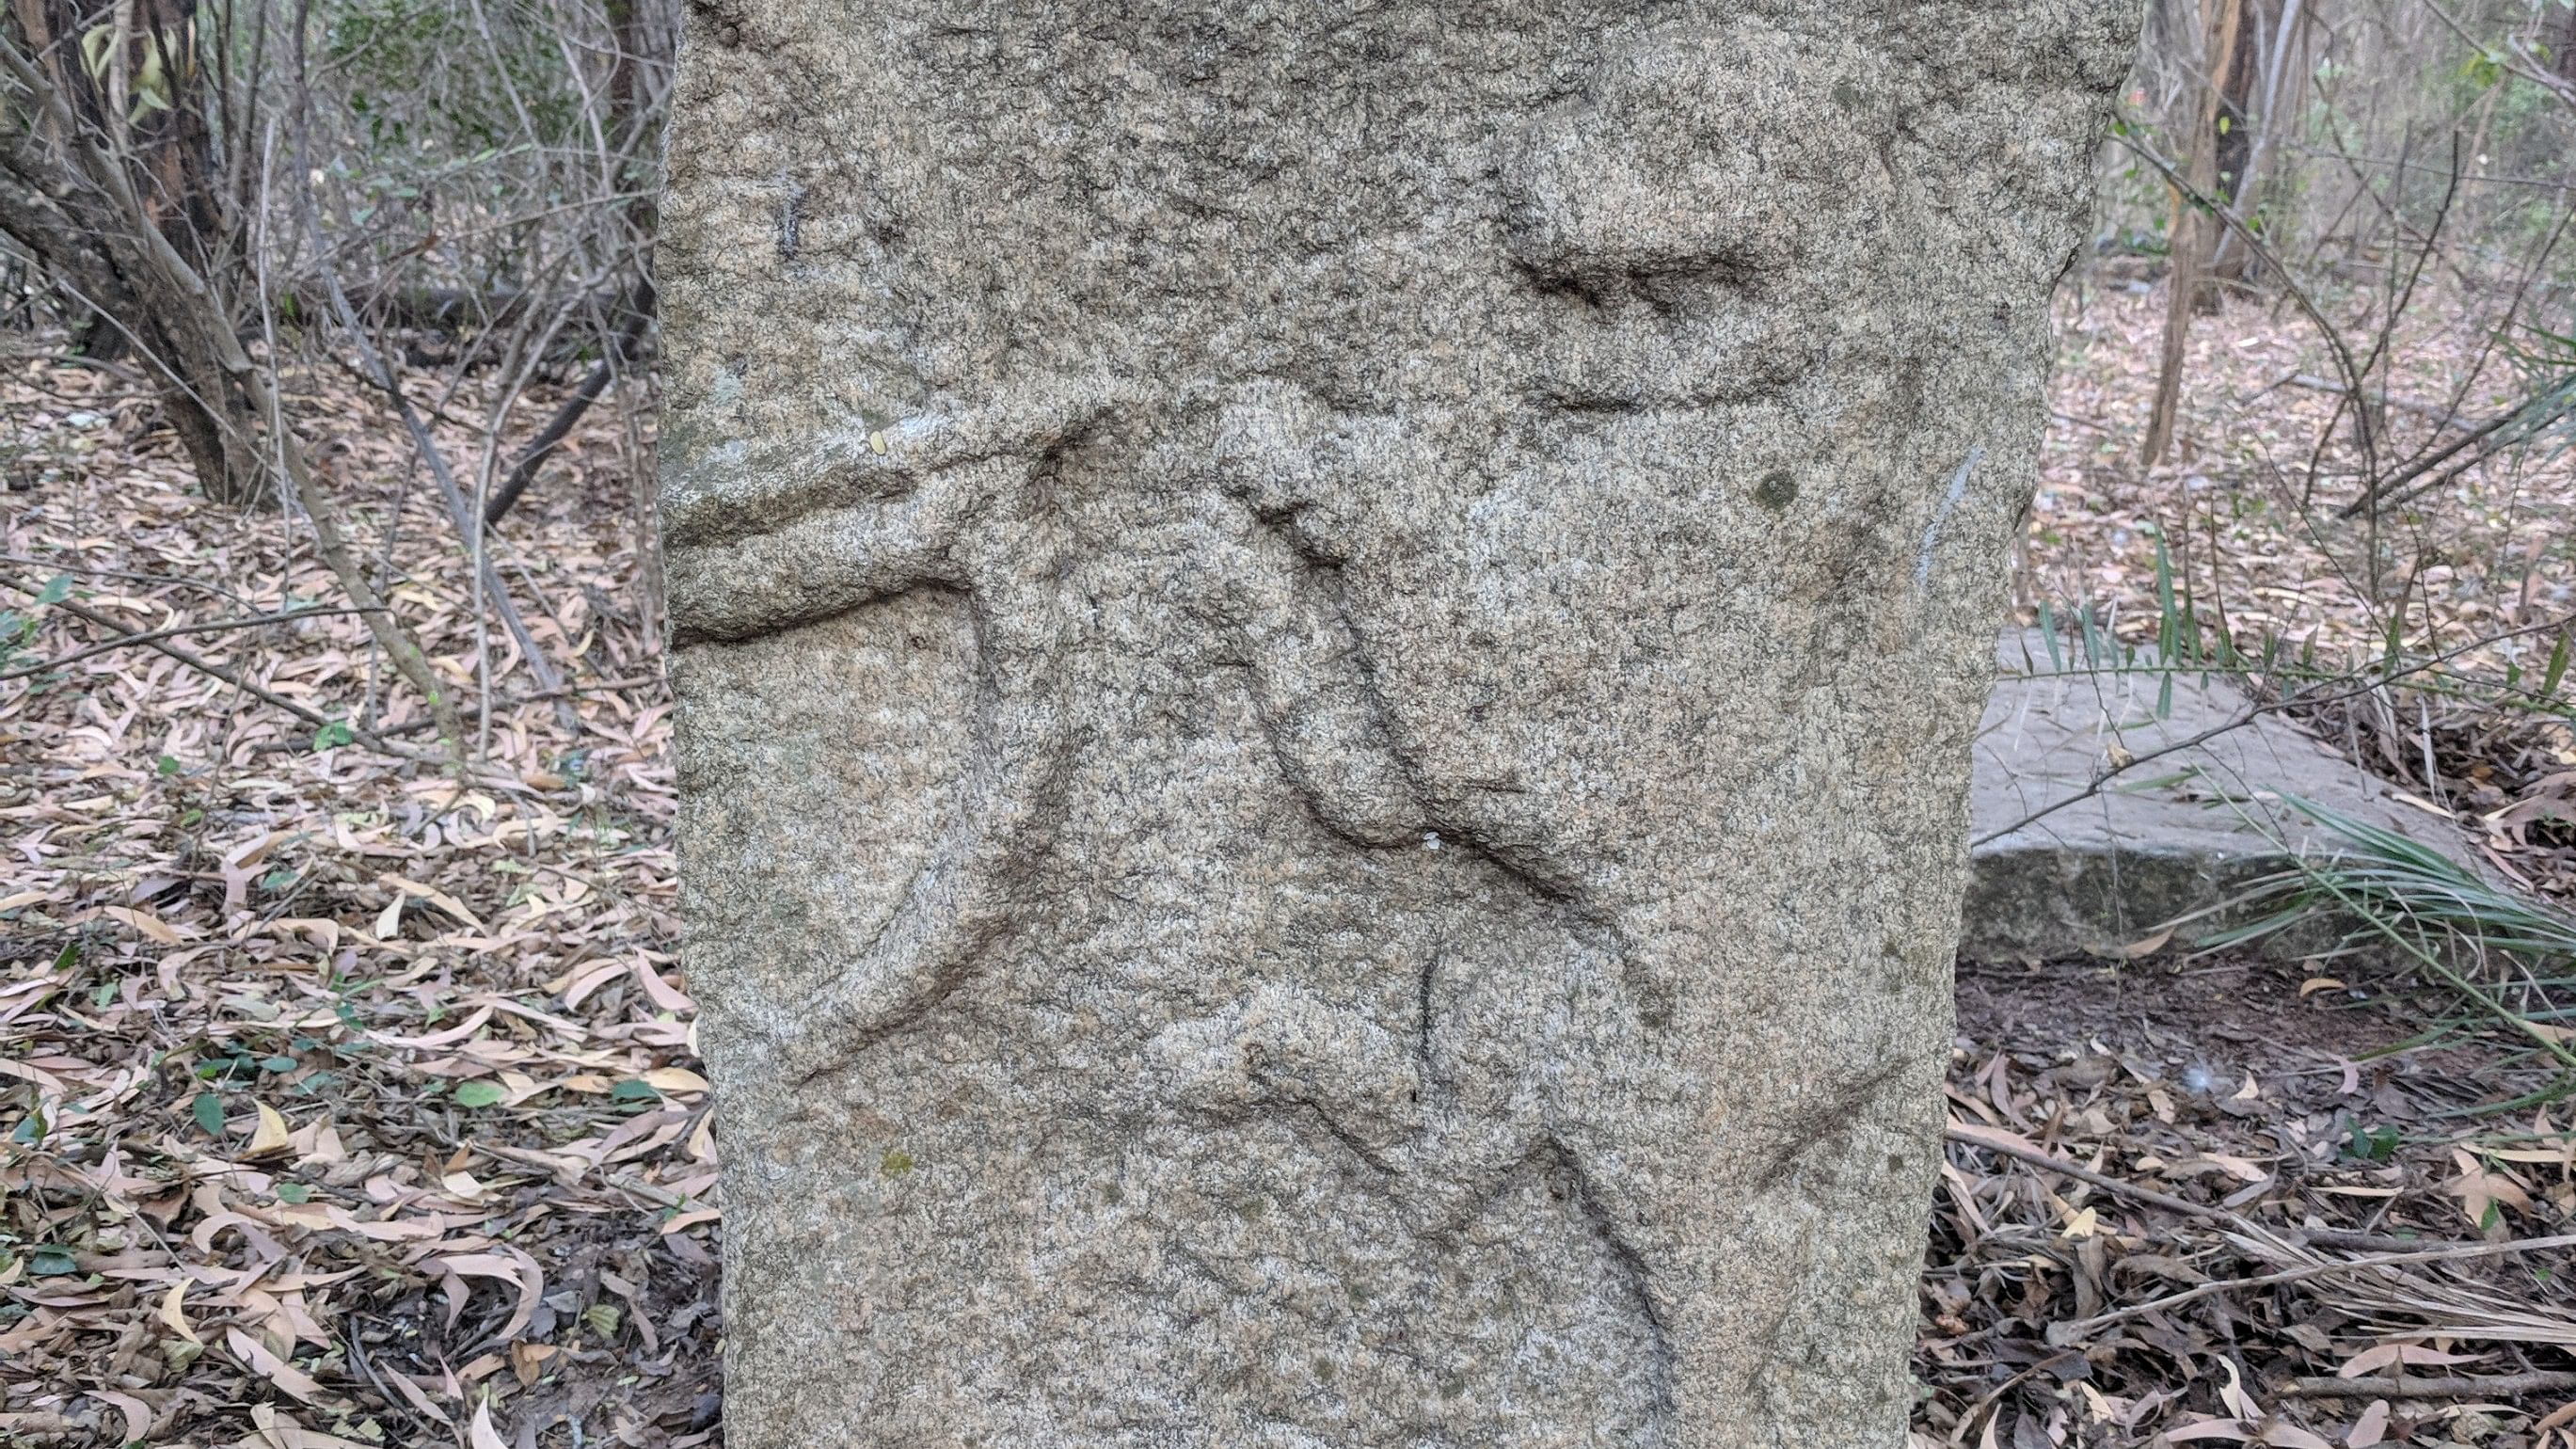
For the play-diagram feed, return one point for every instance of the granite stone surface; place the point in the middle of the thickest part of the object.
(2120, 809)
(1328, 661)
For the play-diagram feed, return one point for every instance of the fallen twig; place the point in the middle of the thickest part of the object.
(216, 671)
(2294, 1237)
(2448, 1386)
(128, 641)
(1957, 1132)
(2304, 1272)
(58, 566)
(1978, 1411)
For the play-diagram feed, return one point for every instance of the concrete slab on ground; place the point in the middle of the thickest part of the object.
(2172, 835)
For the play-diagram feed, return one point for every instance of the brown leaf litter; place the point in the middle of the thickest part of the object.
(353, 1101)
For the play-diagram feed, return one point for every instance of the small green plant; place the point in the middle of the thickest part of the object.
(17, 628)
(2380, 888)
(2371, 1144)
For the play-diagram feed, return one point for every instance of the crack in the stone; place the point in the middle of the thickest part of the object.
(1821, 1127)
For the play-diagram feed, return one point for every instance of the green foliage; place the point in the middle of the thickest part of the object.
(2556, 671)
(2372, 1144)
(421, 76)
(450, 117)
(2386, 891)
(17, 628)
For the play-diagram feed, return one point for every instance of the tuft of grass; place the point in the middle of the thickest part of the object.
(2382, 888)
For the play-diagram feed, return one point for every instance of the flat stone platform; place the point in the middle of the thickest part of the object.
(2172, 835)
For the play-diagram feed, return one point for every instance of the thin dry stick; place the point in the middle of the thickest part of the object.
(478, 506)
(1978, 1411)
(560, 426)
(2536, 414)
(2325, 1237)
(2445, 417)
(328, 541)
(460, 510)
(2454, 1254)
(177, 631)
(90, 571)
(216, 671)
(2449, 1386)
(586, 690)
(1970, 1137)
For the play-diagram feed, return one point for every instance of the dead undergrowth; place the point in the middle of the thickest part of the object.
(2228, 1202)
(352, 1098)
(349, 1099)
(2470, 587)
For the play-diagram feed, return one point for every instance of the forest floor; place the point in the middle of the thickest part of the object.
(2230, 1138)
(352, 1099)
(2474, 581)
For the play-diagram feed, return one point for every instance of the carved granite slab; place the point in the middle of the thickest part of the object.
(1329, 652)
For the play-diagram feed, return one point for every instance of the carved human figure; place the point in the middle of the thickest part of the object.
(1326, 672)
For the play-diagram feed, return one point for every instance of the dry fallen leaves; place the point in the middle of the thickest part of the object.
(314, 1144)
(356, 1103)
(2122, 1257)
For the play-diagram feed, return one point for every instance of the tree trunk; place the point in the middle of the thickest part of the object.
(135, 77)
(125, 163)
(2188, 285)
(2265, 86)
(2238, 72)
(1327, 659)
